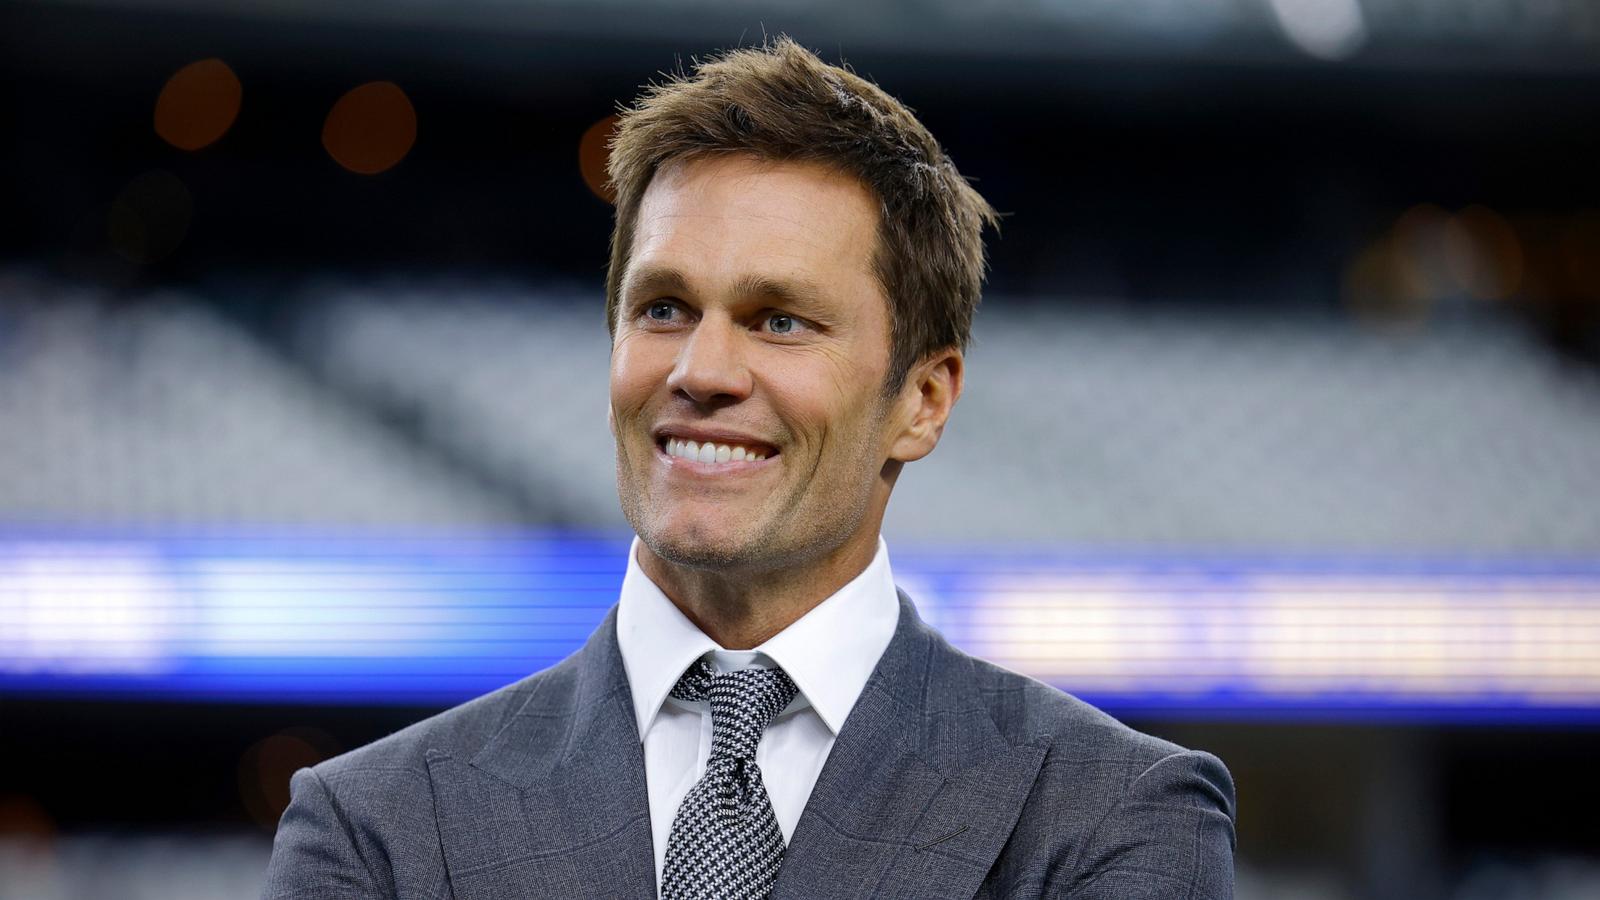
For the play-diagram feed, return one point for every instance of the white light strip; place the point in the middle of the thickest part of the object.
(1533, 641)
(86, 610)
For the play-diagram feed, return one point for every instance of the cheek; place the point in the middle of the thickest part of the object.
(804, 403)
(634, 377)
(840, 421)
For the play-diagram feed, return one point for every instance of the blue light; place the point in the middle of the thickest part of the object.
(338, 619)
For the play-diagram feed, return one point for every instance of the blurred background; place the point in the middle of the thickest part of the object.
(1281, 440)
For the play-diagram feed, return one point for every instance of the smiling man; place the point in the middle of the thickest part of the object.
(757, 433)
(794, 271)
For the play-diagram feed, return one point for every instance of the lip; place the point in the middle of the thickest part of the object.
(715, 469)
(702, 435)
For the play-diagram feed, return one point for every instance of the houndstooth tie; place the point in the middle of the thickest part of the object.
(725, 843)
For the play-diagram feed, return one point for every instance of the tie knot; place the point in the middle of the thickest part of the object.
(742, 703)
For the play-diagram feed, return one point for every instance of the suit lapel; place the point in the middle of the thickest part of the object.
(920, 791)
(918, 795)
(555, 804)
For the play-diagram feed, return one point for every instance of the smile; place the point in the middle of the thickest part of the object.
(709, 452)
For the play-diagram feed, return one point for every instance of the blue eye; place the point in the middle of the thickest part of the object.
(660, 311)
(780, 323)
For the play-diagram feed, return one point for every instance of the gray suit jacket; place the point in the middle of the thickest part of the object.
(951, 778)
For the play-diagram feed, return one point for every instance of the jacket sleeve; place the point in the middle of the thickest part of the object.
(314, 854)
(1170, 836)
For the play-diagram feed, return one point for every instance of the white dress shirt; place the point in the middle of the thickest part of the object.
(829, 653)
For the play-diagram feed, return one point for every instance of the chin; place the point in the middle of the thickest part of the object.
(700, 545)
(700, 556)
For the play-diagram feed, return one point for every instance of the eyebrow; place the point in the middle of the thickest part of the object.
(654, 281)
(787, 292)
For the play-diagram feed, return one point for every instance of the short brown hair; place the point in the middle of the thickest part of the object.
(781, 102)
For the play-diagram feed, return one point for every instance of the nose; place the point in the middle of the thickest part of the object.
(711, 368)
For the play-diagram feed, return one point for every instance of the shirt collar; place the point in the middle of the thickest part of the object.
(829, 652)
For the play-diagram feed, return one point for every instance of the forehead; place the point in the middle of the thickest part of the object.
(730, 218)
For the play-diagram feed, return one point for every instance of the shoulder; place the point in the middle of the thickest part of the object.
(366, 818)
(1028, 711)
(1113, 809)
(460, 731)
(1091, 758)
(1088, 751)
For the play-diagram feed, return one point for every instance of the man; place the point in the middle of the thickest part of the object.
(793, 275)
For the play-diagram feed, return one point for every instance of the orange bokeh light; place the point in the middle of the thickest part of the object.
(1486, 258)
(198, 104)
(266, 768)
(1580, 244)
(1394, 281)
(371, 128)
(594, 151)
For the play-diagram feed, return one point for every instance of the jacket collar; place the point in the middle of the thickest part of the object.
(554, 804)
(920, 790)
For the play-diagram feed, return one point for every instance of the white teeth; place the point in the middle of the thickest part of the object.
(710, 452)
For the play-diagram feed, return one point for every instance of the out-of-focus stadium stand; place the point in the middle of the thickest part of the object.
(159, 412)
(144, 867)
(1091, 419)
(1313, 434)
(513, 386)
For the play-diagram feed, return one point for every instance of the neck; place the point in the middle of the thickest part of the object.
(742, 609)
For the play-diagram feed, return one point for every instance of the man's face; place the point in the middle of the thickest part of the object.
(750, 322)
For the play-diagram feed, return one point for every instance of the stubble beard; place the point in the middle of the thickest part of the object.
(768, 549)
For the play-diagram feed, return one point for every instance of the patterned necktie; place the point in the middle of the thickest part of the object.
(725, 843)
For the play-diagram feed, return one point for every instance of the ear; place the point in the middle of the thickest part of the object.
(924, 404)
